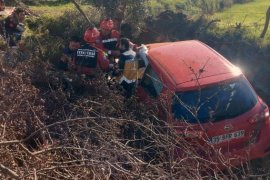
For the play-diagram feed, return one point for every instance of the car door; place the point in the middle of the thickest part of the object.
(150, 86)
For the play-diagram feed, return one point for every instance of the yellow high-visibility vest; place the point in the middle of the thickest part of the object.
(131, 72)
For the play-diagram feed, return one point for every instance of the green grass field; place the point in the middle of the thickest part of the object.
(56, 10)
(157, 6)
(250, 15)
(52, 10)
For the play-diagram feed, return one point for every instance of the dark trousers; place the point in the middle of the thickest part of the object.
(129, 88)
(13, 37)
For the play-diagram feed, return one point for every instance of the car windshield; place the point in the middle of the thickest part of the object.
(215, 103)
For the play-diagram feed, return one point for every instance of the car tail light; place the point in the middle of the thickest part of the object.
(263, 116)
(265, 113)
(258, 121)
(266, 116)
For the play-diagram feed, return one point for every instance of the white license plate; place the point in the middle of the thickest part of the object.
(227, 137)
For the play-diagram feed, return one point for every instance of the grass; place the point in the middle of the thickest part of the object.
(249, 15)
(50, 18)
(52, 10)
(157, 6)
(55, 10)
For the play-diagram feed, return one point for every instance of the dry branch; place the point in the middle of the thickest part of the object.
(8, 172)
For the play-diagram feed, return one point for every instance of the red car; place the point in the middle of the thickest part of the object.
(205, 90)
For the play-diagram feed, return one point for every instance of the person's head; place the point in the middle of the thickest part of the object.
(74, 43)
(106, 27)
(124, 44)
(20, 12)
(91, 35)
(2, 5)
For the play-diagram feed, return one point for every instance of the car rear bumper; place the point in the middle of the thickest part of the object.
(236, 157)
(256, 150)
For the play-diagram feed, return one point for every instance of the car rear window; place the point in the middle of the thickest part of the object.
(215, 103)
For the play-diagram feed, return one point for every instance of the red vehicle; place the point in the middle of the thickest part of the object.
(205, 90)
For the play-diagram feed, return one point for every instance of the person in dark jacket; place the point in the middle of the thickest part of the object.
(14, 26)
(90, 58)
(69, 53)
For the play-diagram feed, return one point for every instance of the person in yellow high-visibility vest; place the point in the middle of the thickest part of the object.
(128, 66)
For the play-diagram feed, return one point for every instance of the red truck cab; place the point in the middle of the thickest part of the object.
(203, 90)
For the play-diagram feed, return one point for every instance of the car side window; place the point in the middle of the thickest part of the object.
(151, 83)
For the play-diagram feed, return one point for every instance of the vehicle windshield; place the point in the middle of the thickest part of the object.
(215, 103)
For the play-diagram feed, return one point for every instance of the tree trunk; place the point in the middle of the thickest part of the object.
(266, 23)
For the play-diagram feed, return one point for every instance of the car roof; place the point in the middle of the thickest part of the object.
(189, 64)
